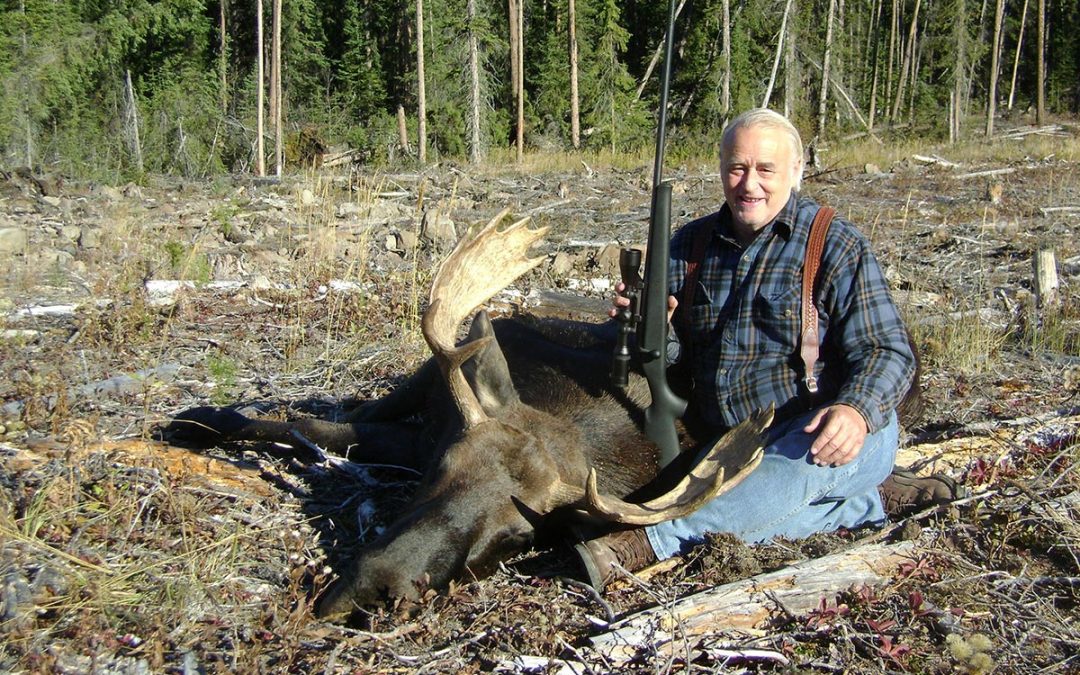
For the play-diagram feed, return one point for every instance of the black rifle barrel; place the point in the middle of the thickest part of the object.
(666, 407)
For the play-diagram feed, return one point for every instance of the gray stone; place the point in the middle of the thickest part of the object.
(51, 258)
(438, 229)
(346, 209)
(89, 238)
(607, 259)
(13, 240)
(407, 240)
(562, 264)
(70, 233)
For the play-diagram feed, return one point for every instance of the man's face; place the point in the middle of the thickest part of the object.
(760, 170)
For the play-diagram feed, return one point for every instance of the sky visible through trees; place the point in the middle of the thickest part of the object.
(120, 87)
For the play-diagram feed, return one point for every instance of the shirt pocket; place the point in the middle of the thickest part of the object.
(703, 316)
(776, 318)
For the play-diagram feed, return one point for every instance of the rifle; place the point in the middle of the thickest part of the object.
(649, 318)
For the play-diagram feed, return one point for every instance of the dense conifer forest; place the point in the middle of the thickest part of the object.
(116, 88)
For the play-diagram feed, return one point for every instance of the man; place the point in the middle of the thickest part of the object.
(827, 452)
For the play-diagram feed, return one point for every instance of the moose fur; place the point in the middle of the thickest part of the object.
(554, 416)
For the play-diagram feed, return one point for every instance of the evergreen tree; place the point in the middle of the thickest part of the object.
(611, 109)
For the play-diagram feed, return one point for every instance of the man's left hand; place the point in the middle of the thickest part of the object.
(841, 431)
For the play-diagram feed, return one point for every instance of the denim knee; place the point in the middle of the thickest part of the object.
(789, 495)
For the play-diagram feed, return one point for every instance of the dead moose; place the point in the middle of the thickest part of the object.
(520, 426)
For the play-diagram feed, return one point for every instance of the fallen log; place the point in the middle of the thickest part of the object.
(748, 605)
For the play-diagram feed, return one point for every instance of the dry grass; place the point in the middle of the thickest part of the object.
(107, 562)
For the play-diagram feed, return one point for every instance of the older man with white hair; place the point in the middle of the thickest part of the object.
(739, 324)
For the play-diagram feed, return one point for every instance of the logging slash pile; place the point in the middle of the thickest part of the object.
(124, 305)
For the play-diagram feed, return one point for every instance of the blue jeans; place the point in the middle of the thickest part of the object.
(788, 495)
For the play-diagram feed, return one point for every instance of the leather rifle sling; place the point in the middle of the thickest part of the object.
(810, 340)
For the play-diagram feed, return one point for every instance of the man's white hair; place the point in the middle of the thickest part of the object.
(768, 119)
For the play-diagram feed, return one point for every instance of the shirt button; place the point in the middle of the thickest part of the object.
(722, 371)
(787, 312)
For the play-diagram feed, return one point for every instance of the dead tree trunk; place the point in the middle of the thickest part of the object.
(874, 57)
(725, 83)
(907, 62)
(776, 58)
(275, 88)
(1046, 278)
(421, 93)
(956, 99)
(1040, 96)
(260, 123)
(403, 129)
(894, 34)
(749, 604)
(995, 50)
(1016, 58)
(655, 57)
(475, 151)
(515, 67)
(823, 99)
(134, 144)
(223, 58)
(521, 80)
(790, 84)
(575, 103)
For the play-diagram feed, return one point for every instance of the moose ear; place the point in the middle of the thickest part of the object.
(487, 372)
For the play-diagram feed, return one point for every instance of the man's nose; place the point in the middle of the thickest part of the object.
(750, 180)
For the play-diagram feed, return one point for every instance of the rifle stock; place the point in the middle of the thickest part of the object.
(666, 407)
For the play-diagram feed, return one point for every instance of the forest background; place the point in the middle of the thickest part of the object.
(113, 89)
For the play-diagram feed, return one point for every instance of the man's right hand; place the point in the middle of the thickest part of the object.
(620, 302)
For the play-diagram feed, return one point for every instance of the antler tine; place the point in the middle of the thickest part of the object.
(703, 483)
(479, 267)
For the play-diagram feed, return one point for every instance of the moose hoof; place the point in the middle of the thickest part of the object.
(207, 424)
(337, 604)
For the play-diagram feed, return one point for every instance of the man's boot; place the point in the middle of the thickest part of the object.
(629, 548)
(904, 493)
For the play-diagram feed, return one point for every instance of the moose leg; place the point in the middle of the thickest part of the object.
(398, 443)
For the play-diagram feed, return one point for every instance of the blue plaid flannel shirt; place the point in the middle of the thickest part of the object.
(745, 321)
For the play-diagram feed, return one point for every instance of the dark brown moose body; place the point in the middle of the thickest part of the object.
(519, 425)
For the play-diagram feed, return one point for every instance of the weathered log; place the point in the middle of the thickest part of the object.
(1046, 278)
(749, 604)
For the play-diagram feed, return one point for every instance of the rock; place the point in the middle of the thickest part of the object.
(607, 259)
(71, 233)
(407, 240)
(438, 229)
(133, 191)
(13, 240)
(52, 201)
(384, 209)
(872, 169)
(562, 264)
(346, 209)
(110, 193)
(307, 197)
(89, 238)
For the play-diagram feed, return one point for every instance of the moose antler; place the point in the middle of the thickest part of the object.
(741, 447)
(479, 267)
